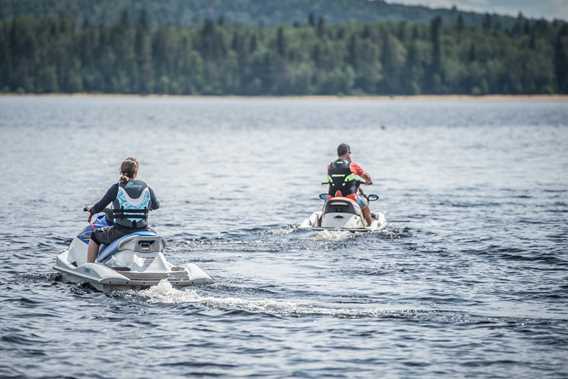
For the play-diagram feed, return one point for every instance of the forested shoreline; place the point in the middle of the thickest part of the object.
(214, 57)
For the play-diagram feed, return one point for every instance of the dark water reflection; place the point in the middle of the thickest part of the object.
(469, 278)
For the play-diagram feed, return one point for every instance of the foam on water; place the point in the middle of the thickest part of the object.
(164, 292)
(333, 235)
(284, 231)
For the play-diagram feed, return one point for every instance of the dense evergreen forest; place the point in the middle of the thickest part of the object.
(216, 57)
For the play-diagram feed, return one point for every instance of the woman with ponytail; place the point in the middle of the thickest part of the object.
(131, 199)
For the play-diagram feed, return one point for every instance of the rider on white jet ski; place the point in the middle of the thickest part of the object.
(344, 179)
(131, 199)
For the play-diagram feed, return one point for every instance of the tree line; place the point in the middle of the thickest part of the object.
(214, 57)
(249, 12)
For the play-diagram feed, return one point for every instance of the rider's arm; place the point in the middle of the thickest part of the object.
(109, 196)
(154, 202)
(360, 171)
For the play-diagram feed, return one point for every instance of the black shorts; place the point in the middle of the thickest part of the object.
(108, 234)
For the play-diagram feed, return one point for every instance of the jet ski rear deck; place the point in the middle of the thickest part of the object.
(342, 214)
(133, 261)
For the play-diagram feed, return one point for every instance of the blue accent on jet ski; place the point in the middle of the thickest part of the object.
(100, 222)
(107, 251)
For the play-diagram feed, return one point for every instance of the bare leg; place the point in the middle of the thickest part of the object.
(367, 214)
(92, 251)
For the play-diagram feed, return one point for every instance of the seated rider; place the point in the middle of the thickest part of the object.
(345, 177)
(131, 200)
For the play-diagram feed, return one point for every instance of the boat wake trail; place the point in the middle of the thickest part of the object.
(164, 292)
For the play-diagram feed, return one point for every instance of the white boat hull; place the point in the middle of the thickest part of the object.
(129, 267)
(350, 223)
(343, 214)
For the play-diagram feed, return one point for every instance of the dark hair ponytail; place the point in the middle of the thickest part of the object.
(128, 170)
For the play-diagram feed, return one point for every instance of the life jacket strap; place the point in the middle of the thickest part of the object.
(130, 213)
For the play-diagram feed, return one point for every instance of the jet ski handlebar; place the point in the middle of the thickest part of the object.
(358, 181)
(87, 209)
(107, 211)
(370, 197)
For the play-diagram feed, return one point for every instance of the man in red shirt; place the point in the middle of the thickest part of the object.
(345, 177)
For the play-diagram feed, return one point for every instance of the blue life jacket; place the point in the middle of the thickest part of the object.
(132, 204)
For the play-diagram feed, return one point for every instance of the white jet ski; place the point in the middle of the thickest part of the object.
(134, 261)
(343, 214)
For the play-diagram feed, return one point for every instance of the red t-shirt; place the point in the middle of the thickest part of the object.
(356, 169)
(359, 171)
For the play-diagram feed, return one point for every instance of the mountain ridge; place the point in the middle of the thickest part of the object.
(254, 12)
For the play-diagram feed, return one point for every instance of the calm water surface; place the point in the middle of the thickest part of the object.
(469, 279)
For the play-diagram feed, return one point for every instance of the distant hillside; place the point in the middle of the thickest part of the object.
(274, 47)
(215, 57)
(252, 12)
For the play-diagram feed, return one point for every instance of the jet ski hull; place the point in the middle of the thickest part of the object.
(343, 214)
(103, 278)
(134, 261)
(314, 224)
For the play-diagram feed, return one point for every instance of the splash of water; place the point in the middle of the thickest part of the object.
(333, 235)
(284, 231)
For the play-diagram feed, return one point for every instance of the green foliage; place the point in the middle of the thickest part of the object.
(214, 57)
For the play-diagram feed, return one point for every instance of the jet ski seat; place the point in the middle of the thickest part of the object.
(341, 205)
(143, 241)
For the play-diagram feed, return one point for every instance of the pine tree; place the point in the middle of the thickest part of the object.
(321, 29)
(281, 43)
(435, 71)
(312, 20)
(143, 49)
(460, 24)
(561, 59)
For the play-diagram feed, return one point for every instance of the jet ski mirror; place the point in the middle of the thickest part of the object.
(323, 196)
(373, 197)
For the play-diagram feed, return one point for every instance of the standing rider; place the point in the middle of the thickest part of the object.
(131, 200)
(345, 177)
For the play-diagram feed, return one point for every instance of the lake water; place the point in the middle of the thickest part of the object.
(469, 279)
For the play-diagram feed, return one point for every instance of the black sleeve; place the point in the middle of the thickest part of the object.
(154, 202)
(109, 196)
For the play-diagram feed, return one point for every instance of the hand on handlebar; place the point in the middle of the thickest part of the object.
(90, 214)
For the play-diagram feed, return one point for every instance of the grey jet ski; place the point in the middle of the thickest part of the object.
(134, 261)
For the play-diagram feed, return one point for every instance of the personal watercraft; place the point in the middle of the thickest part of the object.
(343, 214)
(134, 261)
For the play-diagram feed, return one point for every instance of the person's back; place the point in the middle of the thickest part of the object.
(132, 203)
(342, 180)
